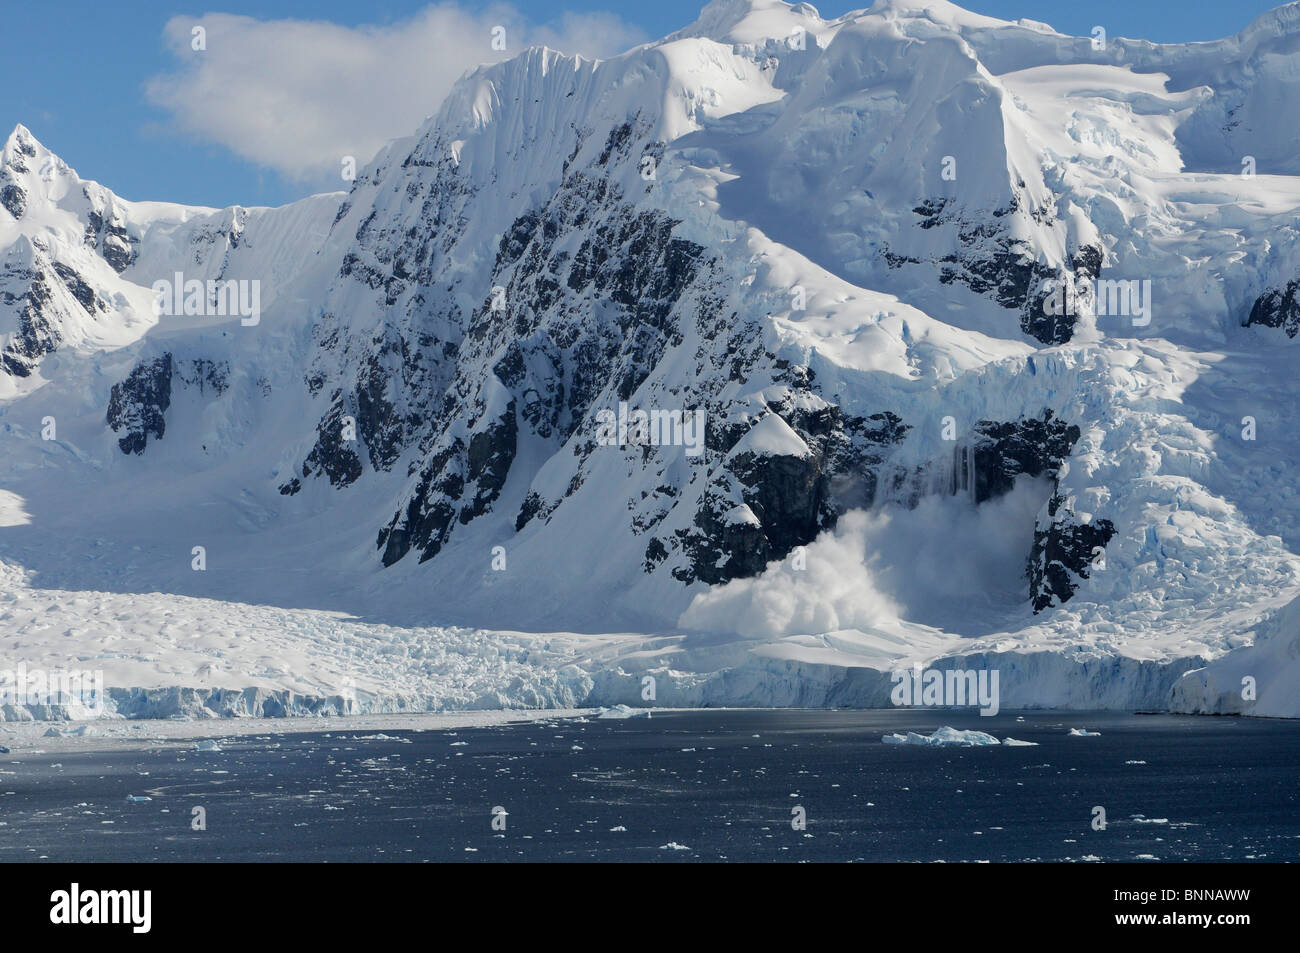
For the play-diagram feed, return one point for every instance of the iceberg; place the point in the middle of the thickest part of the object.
(944, 737)
(623, 711)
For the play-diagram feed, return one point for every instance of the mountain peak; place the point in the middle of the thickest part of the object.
(936, 11)
(1280, 21)
(21, 141)
(723, 19)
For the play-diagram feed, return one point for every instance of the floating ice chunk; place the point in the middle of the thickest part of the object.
(136, 798)
(673, 845)
(53, 733)
(207, 744)
(943, 737)
(623, 711)
(1084, 733)
(1017, 743)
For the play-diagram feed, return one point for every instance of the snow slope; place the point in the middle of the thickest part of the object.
(838, 239)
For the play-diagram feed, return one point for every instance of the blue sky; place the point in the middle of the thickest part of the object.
(103, 85)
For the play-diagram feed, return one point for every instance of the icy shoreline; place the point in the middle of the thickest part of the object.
(1031, 681)
(28, 736)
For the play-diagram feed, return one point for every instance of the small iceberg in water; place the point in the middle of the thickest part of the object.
(944, 737)
(623, 711)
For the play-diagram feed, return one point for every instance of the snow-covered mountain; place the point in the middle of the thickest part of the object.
(989, 329)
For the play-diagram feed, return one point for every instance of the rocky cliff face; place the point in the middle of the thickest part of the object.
(1277, 308)
(138, 405)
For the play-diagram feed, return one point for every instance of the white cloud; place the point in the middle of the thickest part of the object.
(297, 95)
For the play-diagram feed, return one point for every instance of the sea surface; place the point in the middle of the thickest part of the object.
(679, 786)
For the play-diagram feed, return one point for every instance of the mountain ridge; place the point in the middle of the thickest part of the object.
(737, 225)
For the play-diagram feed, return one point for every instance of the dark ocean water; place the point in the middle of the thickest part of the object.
(702, 785)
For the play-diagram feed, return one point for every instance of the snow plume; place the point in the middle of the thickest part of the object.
(940, 563)
(835, 589)
(298, 95)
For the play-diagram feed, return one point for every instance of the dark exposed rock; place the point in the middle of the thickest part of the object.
(136, 406)
(788, 495)
(720, 550)
(430, 512)
(1087, 262)
(36, 334)
(106, 231)
(992, 262)
(459, 484)
(78, 288)
(532, 505)
(380, 425)
(989, 260)
(617, 143)
(1003, 451)
(1278, 308)
(1063, 551)
(930, 210)
(333, 453)
(1034, 447)
(386, 408)
(655, 553)
(488, 460)
(791, 498)
(14, 199)
(204, 375)
(1035, 319)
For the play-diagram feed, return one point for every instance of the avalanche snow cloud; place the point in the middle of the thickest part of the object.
(992, 330)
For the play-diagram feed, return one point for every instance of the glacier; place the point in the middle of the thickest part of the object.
(833, 238)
